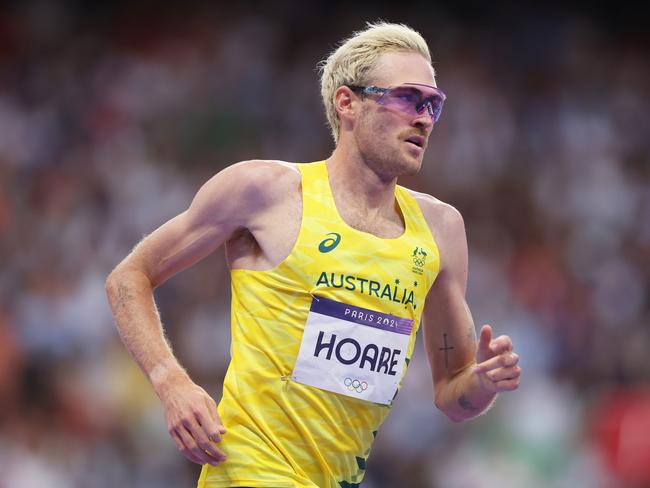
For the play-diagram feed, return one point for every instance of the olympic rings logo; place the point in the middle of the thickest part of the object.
(355, 385)
(419, 262)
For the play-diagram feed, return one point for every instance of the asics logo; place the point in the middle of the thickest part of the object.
(330, 243)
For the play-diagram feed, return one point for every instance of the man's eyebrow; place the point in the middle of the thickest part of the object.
(425, 95)
(420, 84)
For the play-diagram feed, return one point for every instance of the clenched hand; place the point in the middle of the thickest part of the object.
(497, 364)
(193, 421)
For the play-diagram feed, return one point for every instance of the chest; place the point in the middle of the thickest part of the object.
(387, 226)
(276, 232)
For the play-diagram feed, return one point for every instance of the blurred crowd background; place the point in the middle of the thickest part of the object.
(113, 115)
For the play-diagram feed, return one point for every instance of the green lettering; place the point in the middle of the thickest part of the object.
(386, 292)
(323, 279)
(363, 281)
(350, 284)
(373, 286)
(334, 284)
(394, 298)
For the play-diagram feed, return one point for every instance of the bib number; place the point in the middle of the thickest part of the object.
(353, 351)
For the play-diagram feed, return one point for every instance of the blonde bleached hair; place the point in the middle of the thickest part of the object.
(355, 60)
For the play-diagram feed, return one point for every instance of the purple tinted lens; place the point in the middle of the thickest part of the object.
(433, 105)
(411, 101)
(435, 108)
(404, 99)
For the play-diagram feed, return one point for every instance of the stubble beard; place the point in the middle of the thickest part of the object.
(388, 159)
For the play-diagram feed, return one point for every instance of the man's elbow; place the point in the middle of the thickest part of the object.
(114, 279)
(125, 281)
(449, 412)
(455, 418)
(114, 284)
(111, 282)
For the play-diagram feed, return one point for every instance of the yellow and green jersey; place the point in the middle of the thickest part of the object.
(320, 344)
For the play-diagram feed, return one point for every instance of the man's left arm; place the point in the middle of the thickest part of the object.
(466, 375)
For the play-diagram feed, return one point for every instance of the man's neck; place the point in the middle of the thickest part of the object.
(355, 183)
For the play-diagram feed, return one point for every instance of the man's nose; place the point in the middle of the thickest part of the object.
(424, 121)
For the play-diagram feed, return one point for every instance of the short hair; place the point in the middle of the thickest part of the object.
(355, 60)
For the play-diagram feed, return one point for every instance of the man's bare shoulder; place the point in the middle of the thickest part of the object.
(267, 167)
(441, 216)
(265, 174)
(448, 229)
(256, 180)
(244, 190)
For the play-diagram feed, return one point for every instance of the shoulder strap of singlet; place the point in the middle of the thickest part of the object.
(412, 212)
(316, 193)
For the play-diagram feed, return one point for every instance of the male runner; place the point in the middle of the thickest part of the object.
(332, 267)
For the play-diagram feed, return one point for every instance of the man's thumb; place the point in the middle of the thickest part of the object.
(485, 338)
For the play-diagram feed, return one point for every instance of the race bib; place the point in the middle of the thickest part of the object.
(353, 351)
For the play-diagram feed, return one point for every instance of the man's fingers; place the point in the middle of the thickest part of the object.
(501, 374)
(206, 435)
(185, 444)
(195, 447)
(177, 440)
(204, 445)
(215, 427)
(191, 450)
(507, 385)
(501, 344)
(502, 360)
(209, 446)
(194, 424)
(209, 426)
(485, 336)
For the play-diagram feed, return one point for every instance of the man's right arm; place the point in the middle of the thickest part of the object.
(225, 204)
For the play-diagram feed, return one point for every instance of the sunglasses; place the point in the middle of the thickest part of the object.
(407, 99)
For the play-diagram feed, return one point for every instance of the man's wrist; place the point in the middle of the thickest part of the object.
(477, 394)
(165, 374)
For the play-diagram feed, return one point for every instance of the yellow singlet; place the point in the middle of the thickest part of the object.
(320, 344)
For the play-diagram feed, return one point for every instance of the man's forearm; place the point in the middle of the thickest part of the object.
(130, 295)
(463, 397)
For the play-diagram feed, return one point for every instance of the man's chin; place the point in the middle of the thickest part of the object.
(410, 166)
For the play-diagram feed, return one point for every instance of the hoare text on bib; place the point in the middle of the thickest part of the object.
(352, 350)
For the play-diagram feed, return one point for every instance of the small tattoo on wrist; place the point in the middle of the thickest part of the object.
(466, 405)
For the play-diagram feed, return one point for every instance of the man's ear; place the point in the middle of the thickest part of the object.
(346, 104)
(344, 101)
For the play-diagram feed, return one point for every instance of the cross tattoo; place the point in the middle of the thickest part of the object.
(446, 349)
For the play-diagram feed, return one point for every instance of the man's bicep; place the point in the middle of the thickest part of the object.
(448, 330)
(450, 337)
(216, 212)
(175, 246)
